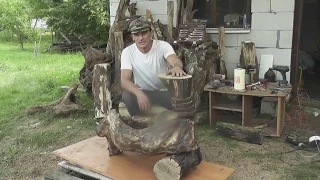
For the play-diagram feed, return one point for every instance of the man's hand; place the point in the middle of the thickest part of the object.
(177, 71)
(143, 101)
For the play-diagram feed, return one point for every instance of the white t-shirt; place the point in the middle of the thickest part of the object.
(146, 66)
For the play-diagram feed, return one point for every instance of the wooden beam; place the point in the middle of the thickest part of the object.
(170, 7)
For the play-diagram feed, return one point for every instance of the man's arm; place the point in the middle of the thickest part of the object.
(174, 61)
(126, 82)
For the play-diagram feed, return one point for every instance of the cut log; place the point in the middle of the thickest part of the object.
(180, 89)
(248, 58)
(65, 106)
(172, 137)
(174, 167)
(101, 89)
(222, 46)
(241, 133)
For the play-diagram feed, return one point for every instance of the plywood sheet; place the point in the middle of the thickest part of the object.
(93, 154)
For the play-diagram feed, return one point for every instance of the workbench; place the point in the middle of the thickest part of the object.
(217, 104)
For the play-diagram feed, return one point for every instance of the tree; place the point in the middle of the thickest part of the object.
(15, 21)
(88, 17)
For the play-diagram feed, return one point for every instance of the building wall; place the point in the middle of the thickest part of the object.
(271, 29)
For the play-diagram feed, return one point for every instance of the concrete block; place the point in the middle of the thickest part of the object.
(113, 8)
(231, 39)
(112, 18)
(280, 56)
(284, 39)
(282, 5)
(260, 38)
(269, 105)
(113, 1)
(233, 54)
(155, 7)
(272, 21)
(230, 70)
(260, 6)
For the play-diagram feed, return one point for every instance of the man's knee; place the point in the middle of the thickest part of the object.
(130, 100)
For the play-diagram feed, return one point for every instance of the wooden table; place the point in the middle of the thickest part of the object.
(217, 103)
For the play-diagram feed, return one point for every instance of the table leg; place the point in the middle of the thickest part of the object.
(246, 110)
(280, 116)
(213, 113)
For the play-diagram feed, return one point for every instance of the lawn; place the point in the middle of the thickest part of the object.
(26, 141)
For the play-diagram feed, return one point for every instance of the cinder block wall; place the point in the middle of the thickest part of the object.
(271, 29)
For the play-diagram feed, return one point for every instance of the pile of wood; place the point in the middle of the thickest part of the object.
(74, 42)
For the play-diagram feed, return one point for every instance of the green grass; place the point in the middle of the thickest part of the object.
(26, 80)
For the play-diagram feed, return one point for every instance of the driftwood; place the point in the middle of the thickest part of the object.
(65, 106)
(172, 137)
(241, 133)
(101, 89)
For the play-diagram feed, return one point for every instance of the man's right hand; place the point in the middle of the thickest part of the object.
(143, 101)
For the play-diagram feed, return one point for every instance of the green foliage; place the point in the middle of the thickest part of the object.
(15, 21)
(87, 17)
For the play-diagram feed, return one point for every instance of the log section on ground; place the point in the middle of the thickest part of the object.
(241, 133)
(65, 106)
(174, 167)
(170, 136)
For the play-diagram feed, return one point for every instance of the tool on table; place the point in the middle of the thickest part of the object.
(283, 70)
(293, 139)
(270, 76)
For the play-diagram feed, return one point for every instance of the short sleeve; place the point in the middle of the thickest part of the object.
(167, 49)
(125, 60)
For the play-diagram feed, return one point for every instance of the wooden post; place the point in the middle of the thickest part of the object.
(101, 82)
(222, 46)
(170, 7)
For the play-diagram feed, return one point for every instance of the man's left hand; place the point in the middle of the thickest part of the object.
(177, 71)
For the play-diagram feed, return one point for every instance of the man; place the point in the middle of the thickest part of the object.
(145, 59)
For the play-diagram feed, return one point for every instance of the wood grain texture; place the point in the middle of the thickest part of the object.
(92, 154)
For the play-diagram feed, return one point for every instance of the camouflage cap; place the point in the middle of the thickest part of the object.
(139, 25)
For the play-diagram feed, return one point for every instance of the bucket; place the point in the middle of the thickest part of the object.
(239, 79)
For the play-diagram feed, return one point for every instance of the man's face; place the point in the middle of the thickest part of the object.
(142, 39)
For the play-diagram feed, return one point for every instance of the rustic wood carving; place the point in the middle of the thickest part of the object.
(101, 89)
(248, 58)
(180, 89)
(65, 106)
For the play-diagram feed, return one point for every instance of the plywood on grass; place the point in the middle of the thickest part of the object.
(93, 154)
